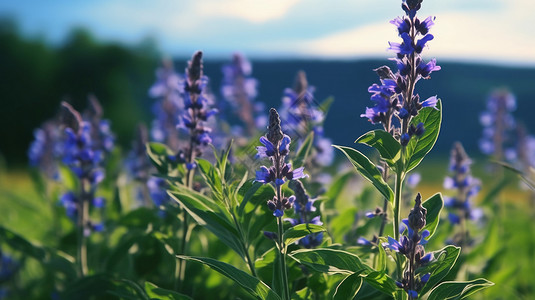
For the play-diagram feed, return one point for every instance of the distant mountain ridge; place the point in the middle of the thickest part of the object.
(462, 87)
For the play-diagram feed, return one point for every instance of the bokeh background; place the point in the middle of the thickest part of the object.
(60, 50)
(53, 51)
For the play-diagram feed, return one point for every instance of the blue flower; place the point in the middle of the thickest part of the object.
(430, 102)
(405, 138)
(404, 48)
(424, 26)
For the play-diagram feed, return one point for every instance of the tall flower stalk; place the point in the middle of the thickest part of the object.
(83, 155)
(466, 187)
(396, 102)
(276, 148)
(196, 113)
(239, 88)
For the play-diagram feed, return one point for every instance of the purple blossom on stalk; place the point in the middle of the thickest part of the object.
(167, 91)
(240, 89)
(411, 246)
(197, 111)
(498, 125)
(276, 148)
(395, 101)
(46, 149)
(466, 187)
(304, 210)
(302, 114)
(84, 156)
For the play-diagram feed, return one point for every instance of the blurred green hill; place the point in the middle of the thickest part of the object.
(35, 77)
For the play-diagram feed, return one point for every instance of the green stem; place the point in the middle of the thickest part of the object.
(180, 266)
(250, 263)
(83, 216)
(282, 260)
(397, 204)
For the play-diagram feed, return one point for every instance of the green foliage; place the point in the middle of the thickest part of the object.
(367, 169)
(458, 289)
(384, 142)
(251, 284)
(443, 262)
(349, 287)
(154, 292)
(434, 206)
(303, 151)
(418, 147)
(298, 232)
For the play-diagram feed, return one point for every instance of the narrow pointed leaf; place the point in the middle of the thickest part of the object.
(303, 151)
(434, 206)
(458, 289)
(298, 232)
(418, 147)
(251, 284)
(330, 261)
(367, 169)
(348, 288)
(155, 292)
(385, 143)
(440, 266)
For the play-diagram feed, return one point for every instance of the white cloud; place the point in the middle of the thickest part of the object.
(257, 11)
(504, 35)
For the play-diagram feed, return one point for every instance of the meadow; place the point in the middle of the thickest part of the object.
(183, 184)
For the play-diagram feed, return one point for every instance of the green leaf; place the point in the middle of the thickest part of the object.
(458, 289)
(251, 284)
(382, 282)
(155, 292)
(158, 153)
(303, 151)
(348, 288)
(495, 191)
(51, 258)
(212, 177)
(434, 206)
(325, 106)
(295, 233)
(385, 143)
(367, 169)
(443, 262)
(216, 222)
(418, 147)
(100, 286)
(330, 261)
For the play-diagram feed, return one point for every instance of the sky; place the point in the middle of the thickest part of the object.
(490, 31)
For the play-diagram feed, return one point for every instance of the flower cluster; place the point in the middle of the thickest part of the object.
(45, 150)
(412, 247)
(84, 157)
(466, 186)
(196, 111)
(303, 115)
(498, 126)
(304, 209)
(102, 139)
(276, 148)
(239, 88)
(394, 97)
(167, 90)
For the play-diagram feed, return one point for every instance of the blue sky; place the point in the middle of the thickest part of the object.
(497, 31)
